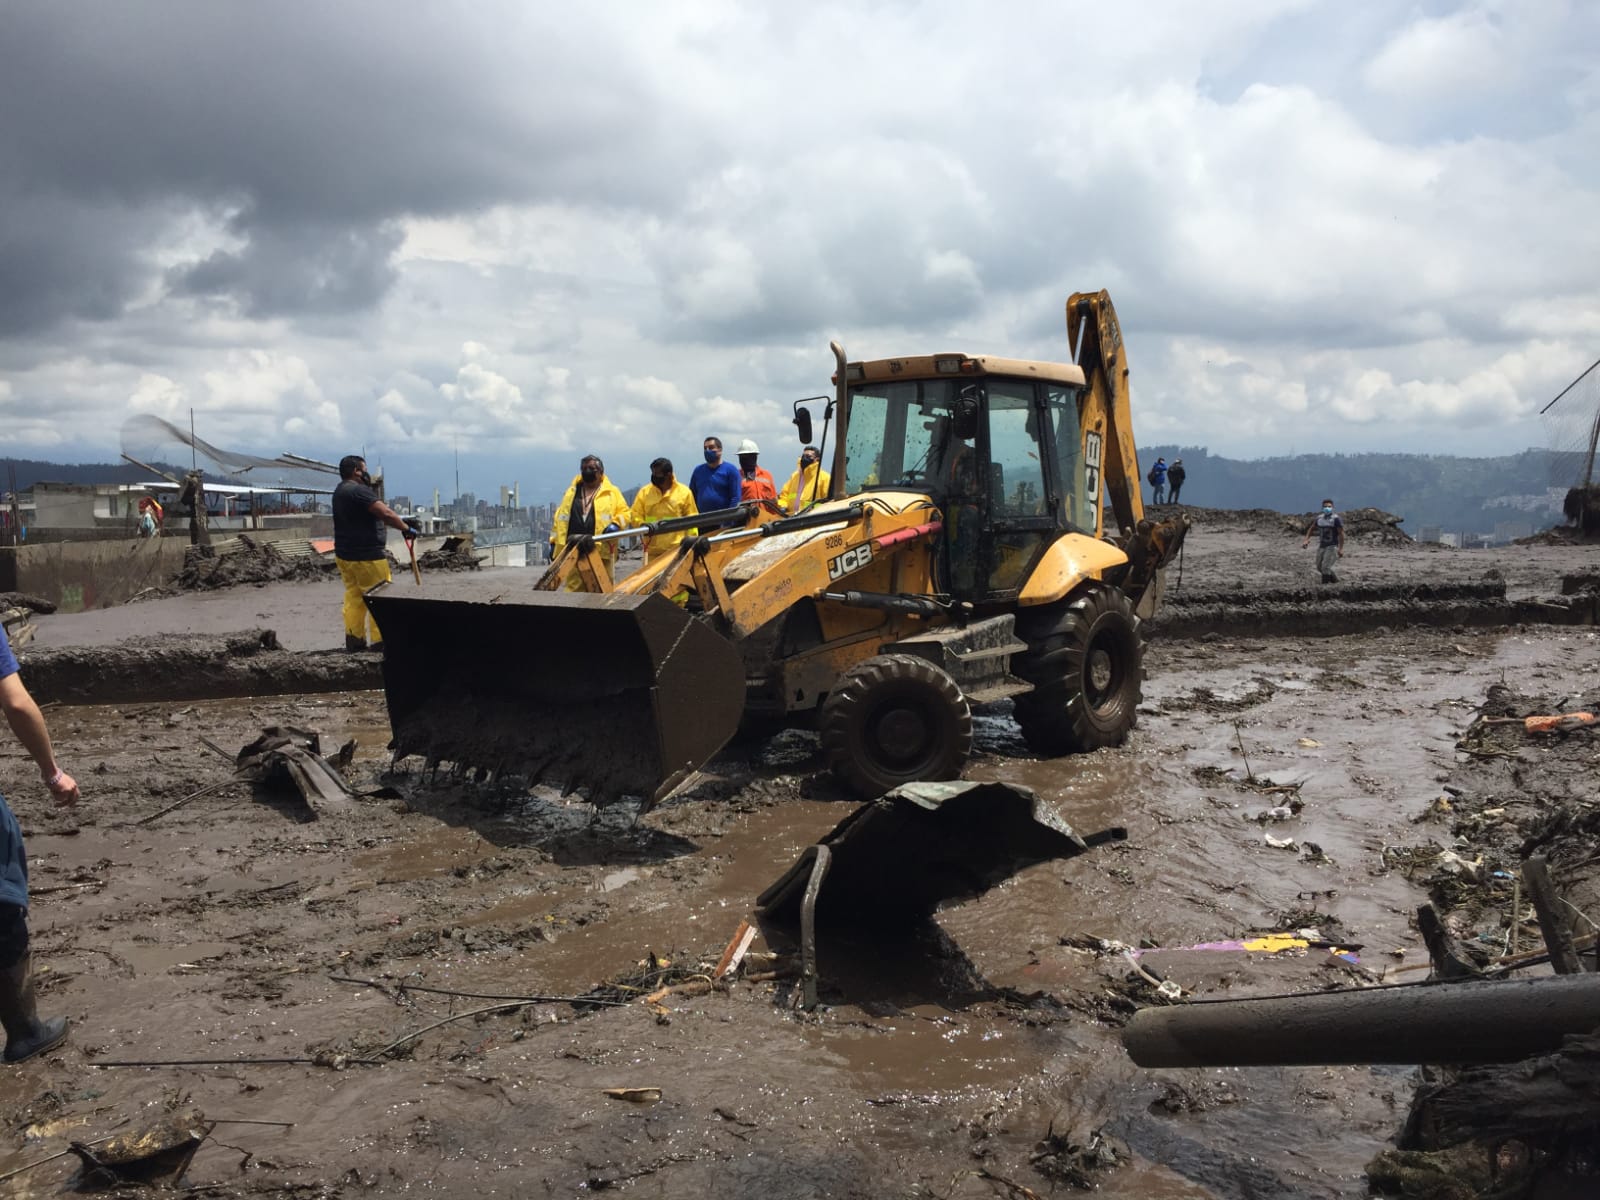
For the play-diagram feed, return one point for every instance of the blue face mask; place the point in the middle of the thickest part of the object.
(713, 455)
(1327, 512)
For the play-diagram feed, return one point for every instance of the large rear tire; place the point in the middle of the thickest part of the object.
(895, 719)
(1085, 660)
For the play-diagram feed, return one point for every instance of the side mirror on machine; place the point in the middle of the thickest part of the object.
(964, 415)
(802, 422)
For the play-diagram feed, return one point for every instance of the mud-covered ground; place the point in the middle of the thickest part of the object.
(230, 929)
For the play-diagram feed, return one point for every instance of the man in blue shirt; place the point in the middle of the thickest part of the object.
(1158, 481)
(26, 1034)
(715, 484)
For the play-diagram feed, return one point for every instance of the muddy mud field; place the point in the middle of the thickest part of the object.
(293, 973)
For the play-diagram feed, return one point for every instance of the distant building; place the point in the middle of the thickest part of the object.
(1510, 531)
(1450, 539)
(1429, 533)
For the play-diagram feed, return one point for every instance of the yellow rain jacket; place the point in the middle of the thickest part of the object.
(798, 490)
(609, 508)
(652, 504)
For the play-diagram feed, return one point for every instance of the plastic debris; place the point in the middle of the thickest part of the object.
(1561, 723)
(1280, 843)
(635, 1095)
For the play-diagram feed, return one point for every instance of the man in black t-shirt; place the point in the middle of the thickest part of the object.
(360, 533)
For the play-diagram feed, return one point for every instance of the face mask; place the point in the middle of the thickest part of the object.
(591, 475)
(660, 482)
(713, 455)
(1328, 511)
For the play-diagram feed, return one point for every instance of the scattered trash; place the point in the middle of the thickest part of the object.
(897, 858)
(156, 1154)
(1452, 863)
(454, 554)
(1279, 812)
(1558, 724)
(1310, 743)
(287, 757)
(1280, 843)
(890, 864)
(635, 1095)
(737, 948)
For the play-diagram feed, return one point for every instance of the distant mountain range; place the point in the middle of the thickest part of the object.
(1472, 494)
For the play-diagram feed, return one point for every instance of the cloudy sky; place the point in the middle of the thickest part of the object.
(527, 230)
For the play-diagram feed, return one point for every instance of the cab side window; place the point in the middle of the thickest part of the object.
(1016, 473)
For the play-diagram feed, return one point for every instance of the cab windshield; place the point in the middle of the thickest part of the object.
(899, 433)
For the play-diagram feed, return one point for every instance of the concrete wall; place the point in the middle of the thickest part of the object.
(84, 575)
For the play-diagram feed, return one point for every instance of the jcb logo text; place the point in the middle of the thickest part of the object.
(850, 560)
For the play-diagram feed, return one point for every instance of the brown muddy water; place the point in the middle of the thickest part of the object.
(933, 1068)
(215, 932)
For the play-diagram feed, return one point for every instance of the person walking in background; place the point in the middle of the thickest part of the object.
(755, 482)
(807, 486)
(26, 1034)
(660, 500)
(1175, 477)
(1329, 528)
(593, 504)
(149, 517)
(1158, 481)
(715, 484)
(360, 546)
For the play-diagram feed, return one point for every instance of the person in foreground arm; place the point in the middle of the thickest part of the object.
(26, 1034)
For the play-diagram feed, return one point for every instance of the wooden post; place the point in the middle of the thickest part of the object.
(1553, 922)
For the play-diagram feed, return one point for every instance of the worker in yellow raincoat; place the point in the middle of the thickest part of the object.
(592, 505)
(807, 486)
(659, 500)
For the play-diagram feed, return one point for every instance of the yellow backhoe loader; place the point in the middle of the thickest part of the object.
(964, 553)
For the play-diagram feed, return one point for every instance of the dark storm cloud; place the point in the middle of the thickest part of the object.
(59, 260)
(307, 127)
(298, 269)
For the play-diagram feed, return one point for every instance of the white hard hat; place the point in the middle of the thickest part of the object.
(749, 447)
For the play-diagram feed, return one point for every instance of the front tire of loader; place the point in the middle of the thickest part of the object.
(1085, 660)
(895, 719)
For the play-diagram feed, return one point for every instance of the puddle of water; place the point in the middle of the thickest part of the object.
(154, 958)
(446, 848)
(615, 880)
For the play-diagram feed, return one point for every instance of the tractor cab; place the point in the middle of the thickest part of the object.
(995, 443)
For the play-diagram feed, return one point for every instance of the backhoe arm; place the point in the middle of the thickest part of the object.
(1106, 418)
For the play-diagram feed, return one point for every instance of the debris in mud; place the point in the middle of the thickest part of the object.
(634, 1095)
(244, 560)
(896, 859)
(1372, 524)
(1073, 1159)
(287, 758)
(191, 667)
(156, 1155)
(455, 554)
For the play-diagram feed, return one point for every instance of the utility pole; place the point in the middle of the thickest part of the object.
(194, 461)
(458, 470)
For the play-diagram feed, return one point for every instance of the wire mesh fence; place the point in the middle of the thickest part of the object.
(1571, 423)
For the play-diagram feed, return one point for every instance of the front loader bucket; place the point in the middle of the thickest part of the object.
(612, 695)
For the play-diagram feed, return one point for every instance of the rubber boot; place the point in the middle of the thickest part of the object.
(26, 1035)
(353, 644)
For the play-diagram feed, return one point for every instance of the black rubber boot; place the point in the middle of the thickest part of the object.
(26, 1035)
(354, 644)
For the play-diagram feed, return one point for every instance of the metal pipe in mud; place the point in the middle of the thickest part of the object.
(1478, 1022)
